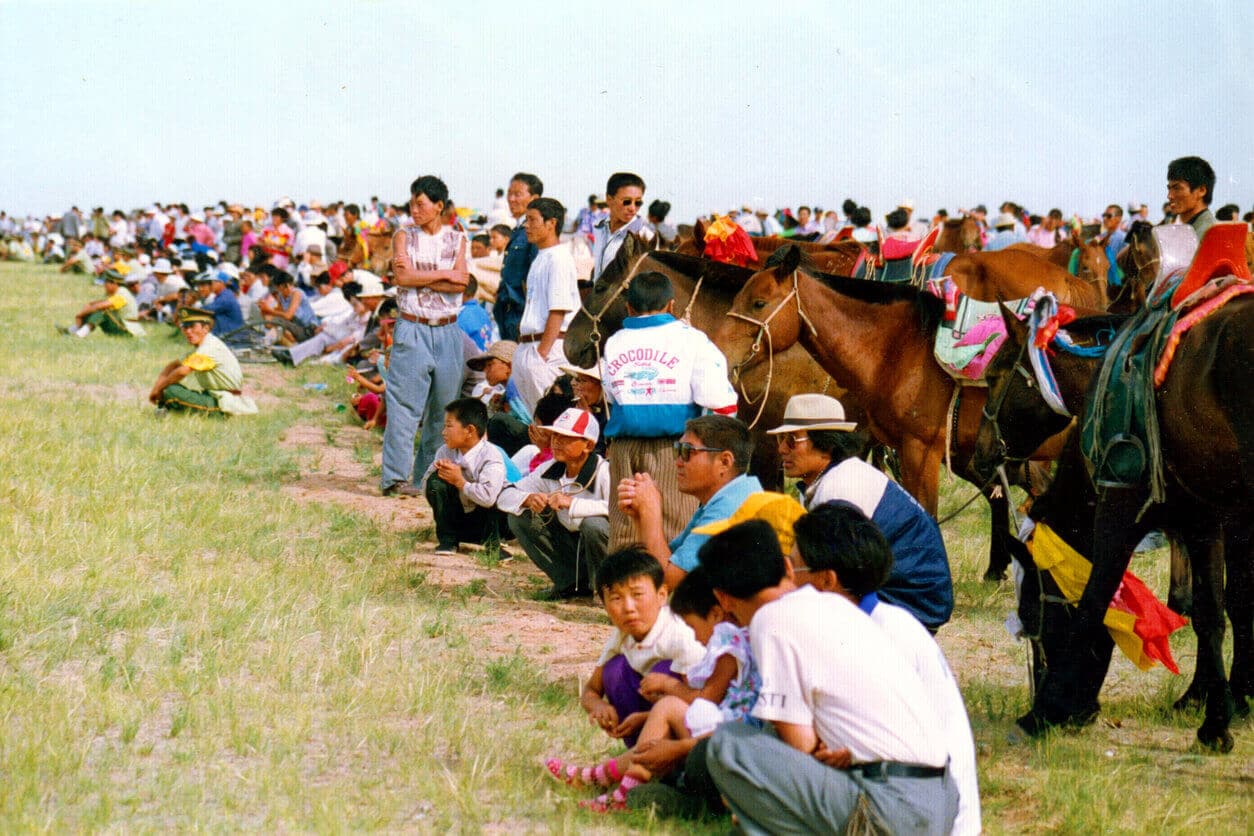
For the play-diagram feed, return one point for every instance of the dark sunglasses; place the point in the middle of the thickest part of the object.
(627, 201)
(792, 440)
(684, 450)
(1107, 215)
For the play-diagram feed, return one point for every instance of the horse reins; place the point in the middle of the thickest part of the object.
(764, 329)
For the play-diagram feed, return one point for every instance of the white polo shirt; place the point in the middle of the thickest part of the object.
(669, 638)
(552, 285)
(825, 664)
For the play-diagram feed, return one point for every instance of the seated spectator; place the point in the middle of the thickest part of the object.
(327, 300)
(1005, 234)
(336, 334)
(115, 315)
(474, 321)
(367, 401)
(218, 298)
(818, 446)
(560, 514)
(208, 380)
(288, 308)
(711, 460)
(586, 384)
(494, 367)
(465, 479)
(312, 263)
(837, 692)
(839, 550)
(648, 638)
(79, 260)
(535, 451)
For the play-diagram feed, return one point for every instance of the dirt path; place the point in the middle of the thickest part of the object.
(343, 470)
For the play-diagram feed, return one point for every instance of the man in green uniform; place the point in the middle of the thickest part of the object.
(116, 314)
(209, 379)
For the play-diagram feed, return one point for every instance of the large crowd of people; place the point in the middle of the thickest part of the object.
(773, 655)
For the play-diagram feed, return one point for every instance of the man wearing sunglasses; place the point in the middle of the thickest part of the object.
(711, 458)
(625, 194)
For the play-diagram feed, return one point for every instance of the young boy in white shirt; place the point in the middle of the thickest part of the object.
(463, 482)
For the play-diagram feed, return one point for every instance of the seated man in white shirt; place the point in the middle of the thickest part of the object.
(560, 514)
(465, 479)
(831, 680)
(838, 549)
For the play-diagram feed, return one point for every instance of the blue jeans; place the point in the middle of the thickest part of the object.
(425, 375)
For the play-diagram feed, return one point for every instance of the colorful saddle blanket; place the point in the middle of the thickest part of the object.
(971, 333)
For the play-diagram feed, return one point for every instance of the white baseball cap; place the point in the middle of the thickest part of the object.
(576, 423)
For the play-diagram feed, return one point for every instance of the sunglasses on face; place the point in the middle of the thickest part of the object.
(792, 440)
(684, 450)
(1107, 216)
(627, 201)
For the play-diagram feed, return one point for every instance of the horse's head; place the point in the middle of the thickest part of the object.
(1094, 265)
(1015, 411)
(970, 234)
(764, 318)
(604, 308)
(1140, 268)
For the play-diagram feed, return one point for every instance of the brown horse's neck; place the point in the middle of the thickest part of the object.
(875, 350)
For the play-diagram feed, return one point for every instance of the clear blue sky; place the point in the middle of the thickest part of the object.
(120, 103)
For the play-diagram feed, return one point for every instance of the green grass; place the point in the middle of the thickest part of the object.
(184, 646)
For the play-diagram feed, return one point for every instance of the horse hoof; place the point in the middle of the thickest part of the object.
(1190, 701)
(1220, 743)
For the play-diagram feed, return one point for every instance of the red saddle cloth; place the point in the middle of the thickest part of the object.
(1220, 253)
(895, 248)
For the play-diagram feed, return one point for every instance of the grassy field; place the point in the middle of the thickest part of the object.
(216, 624)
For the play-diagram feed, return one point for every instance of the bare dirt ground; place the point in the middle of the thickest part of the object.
(342, 469)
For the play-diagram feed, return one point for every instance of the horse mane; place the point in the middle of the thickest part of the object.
(714, 272)
(1093, 328)
(930, 307)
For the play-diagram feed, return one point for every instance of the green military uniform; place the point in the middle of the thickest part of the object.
(119, 319)
(216, 378)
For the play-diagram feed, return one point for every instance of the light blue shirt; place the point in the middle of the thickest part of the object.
(722, 505)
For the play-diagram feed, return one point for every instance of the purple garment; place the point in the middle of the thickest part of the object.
(621, 684)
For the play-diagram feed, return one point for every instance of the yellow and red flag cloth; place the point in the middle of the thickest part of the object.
(1139, 623)
(725, 241)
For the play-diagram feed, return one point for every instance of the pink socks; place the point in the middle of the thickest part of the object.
(616, 800)
(601, 776)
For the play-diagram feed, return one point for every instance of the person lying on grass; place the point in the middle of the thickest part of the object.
(721, 688)
(649, 638)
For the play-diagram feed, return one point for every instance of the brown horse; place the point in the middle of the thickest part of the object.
(1015, 274)
(1204, 410)
(1139, 263)
(704, 290)
(838, 257)
(1093, 263)
(877, 339)
(380, 245)
(959, 235)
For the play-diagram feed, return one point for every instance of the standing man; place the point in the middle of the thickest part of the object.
(552, 300)
(426, 367)
(1112, 222)
(1190, 189)
(510, 294)
(625, 194)
(657, 373)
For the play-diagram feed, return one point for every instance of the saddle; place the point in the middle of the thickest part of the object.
(1120, 433)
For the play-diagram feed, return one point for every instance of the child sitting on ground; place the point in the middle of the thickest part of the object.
(649, 639)
(368, 400)
(722, 687)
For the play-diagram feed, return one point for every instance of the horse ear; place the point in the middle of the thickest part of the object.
(1015, 328)
(698, 236)
(790, 261)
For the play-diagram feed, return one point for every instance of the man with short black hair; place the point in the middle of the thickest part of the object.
(711, 460)
(831, 680)
(1190, 190)
(657, 372)
(624, 193)
(552, 300)
(1112, 221)
(507, 310)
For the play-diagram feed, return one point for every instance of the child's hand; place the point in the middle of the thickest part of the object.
(839, 758)
(630, 726)
(604, 715)
(450, 472)
(654, 686)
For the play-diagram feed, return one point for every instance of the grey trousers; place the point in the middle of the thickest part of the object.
(774, 788)
(569, 558)
(424, 376)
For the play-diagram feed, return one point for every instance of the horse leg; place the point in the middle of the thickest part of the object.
(1069, 694)
(1180, 593)
(1239, 600)
(1208, 622)
(999, 534)
(920, 472)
